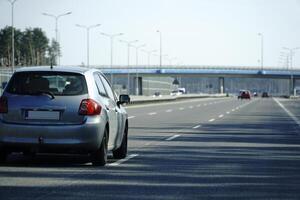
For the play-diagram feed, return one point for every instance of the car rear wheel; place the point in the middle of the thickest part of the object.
(121, 152)
(3, 156)
(99, 157)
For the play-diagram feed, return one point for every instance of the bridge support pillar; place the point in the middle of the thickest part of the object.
(138, 86)
(221, 85)
(292, 86)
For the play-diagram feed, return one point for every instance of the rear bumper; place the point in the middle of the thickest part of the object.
(50, 138)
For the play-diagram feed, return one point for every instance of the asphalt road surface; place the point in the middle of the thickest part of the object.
(192, 149)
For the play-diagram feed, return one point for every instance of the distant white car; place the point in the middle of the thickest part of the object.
(176, 93)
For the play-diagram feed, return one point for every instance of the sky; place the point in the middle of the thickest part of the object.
(195, 32)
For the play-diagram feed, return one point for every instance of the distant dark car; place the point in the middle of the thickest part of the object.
(244, 94)
(157, 94)
(265, 95)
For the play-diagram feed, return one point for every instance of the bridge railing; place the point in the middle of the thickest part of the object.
(205, 67)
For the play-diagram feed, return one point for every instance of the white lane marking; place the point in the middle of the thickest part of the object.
(191, 107)
(205, 104)
(170, 110)
(198, 126)
(181, 108)
(220, 116)
(288, 112)
(131, 117)
(152, 113)
(211, 120)
(119, 162)
(148, 143)
(228, 112)
(172, 137)
(233, 110)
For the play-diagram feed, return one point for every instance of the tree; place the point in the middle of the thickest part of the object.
(31, 47)
(53, 52)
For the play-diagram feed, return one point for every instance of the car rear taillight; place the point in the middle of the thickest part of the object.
(3, 105)
(89, 107)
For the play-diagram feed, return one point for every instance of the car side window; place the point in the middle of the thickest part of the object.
(100, 85)
(109, 91)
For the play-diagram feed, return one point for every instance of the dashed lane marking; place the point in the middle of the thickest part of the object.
(131, 117)
(220, 116)
(119, 162)
(211, 120)
(152, 113)
(172, 137)
(198, 126)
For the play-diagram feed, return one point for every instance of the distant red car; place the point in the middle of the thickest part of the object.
(244, 94)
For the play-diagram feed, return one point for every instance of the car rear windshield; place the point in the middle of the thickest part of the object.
(56, 83)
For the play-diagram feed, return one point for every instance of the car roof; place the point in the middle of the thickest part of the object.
(74, 69)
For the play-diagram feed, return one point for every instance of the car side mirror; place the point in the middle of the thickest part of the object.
(124, 98)
(3, 85)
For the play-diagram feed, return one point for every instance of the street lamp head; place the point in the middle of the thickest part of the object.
(47, 14)
(80, 26)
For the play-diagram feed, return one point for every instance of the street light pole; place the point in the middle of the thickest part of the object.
(160, 48)
(137, 62)
(262, 50)
(129, 43)
(111, 37)
(291, 51)
(12, 2)
(88, 40)
(56, 18)
(149, 55)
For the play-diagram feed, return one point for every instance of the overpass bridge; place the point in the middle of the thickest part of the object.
(219, 72)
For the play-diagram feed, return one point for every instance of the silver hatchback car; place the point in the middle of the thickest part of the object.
(62, 110)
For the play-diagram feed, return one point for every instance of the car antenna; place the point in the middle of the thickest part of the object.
(51, 63)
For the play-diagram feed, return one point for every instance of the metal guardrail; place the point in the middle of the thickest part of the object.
(167, 98)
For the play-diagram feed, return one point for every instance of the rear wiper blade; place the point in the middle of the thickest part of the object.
(44, 92)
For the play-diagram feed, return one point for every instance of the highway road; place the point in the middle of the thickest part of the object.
(193, 149)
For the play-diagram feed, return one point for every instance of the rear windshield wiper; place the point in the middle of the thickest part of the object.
(41, 92)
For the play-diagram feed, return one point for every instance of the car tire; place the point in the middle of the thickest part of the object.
(29, 154)
(3, 156)
(121, 152)
(99, 157)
